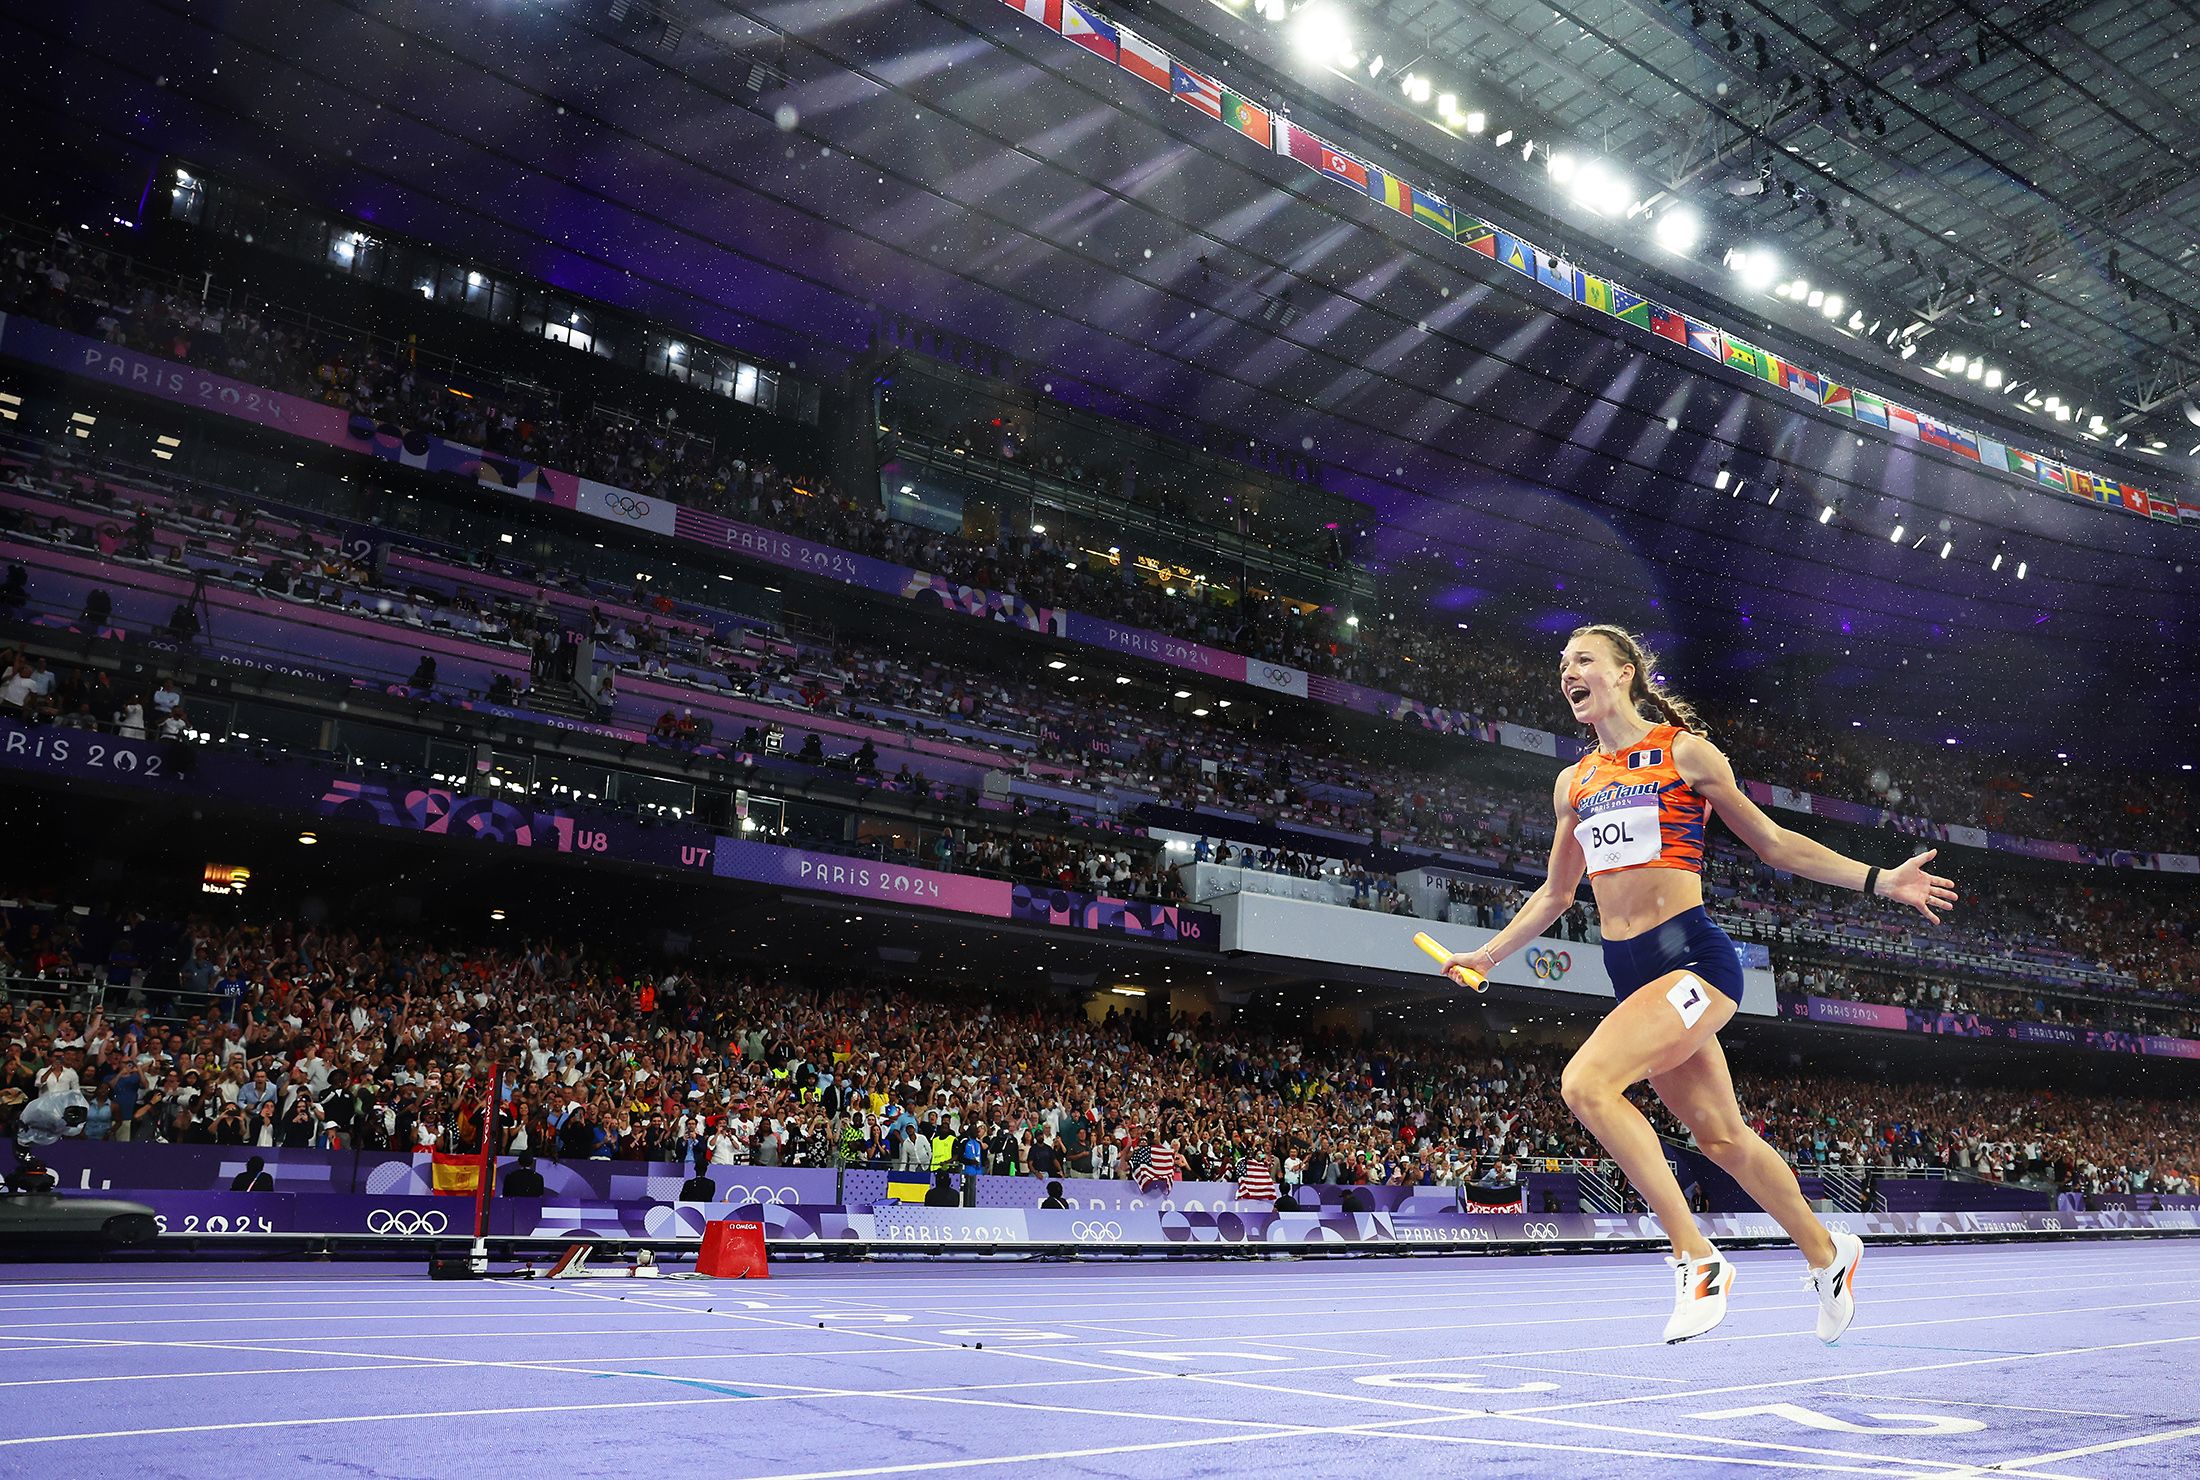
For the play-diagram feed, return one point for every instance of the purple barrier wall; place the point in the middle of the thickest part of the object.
(1971, 1025)
(863, 878)
(211, 1217)
(1904, 1195)
(108, 1166)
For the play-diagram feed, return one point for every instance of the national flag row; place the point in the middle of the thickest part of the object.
(1093, 31)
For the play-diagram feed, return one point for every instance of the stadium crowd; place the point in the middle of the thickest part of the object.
(277, 1034)
(1120, 753)
(101, 293)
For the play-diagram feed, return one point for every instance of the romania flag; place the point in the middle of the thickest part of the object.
(1390, 190)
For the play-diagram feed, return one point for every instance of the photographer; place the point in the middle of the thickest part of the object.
(231, 1126)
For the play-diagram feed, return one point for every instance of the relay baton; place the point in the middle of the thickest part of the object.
(1460, 974)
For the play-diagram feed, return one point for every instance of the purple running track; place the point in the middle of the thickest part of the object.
(2048, 1361)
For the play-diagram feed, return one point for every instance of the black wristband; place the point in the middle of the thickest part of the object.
(1871, 878)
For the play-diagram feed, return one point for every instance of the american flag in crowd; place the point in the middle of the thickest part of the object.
(1256, 1182)
(1153, 1166)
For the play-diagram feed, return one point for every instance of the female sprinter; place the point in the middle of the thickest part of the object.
(1632, 815)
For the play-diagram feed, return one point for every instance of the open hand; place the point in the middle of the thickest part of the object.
(1909, 884)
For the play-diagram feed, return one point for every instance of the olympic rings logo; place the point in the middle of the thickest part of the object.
(620, 502)
(763, 1196)
(406, 1221)
(1097, 1233)
(1549, 966)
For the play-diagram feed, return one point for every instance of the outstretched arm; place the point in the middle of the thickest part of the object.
(1552, 899)
(1706, 769)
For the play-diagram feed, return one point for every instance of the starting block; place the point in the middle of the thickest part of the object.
(573, 1265)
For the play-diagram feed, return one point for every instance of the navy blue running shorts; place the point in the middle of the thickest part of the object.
(1687, 942)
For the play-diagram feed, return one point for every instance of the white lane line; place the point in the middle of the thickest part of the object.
(899, 1340)
(1353, 1431)
(1583, 1372)
(393, 1364)
(1955, 1468)
(1974, 1403)
(1463, 1267)
(356, 1418)
(101, 1311)
(1906, 1468)
(1642, 1288)
(62, 1343)
(462, 1315)
(2026, 1465)
(1036, 1300)
(1645, 1291)
(1758, 1387)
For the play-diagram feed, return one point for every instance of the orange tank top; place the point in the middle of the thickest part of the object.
(1635, 811)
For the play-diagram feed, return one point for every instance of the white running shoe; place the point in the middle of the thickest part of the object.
(1836, 1287)
(1699, 1301)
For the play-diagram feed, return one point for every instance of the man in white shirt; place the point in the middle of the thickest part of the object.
(59, 1076)
(15, 688)
(166, 698)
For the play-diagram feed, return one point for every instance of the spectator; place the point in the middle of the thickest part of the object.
(523, 1180)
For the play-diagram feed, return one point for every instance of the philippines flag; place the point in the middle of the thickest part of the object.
(1667, 324)
(1202, 92)
(1141, 58)
(1089, 29)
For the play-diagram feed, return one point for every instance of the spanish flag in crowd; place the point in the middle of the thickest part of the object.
(456, 1175)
